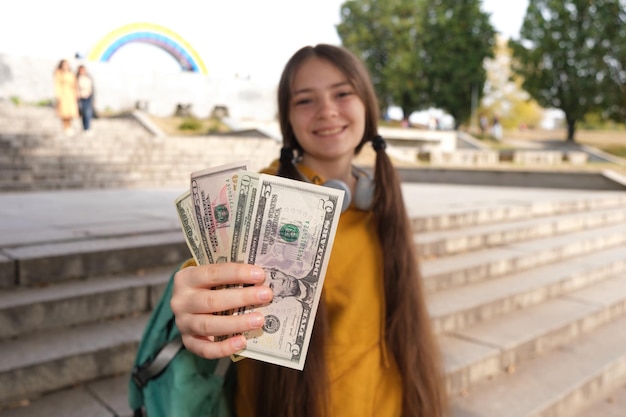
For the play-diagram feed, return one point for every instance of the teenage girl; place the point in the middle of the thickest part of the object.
(372, 351)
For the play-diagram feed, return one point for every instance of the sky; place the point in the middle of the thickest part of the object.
(248, 38)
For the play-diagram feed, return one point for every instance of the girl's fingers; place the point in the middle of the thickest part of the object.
(211, 276)
(210, 325)
(203, 329)
(220, 300)
(213, 350)
(202, 293)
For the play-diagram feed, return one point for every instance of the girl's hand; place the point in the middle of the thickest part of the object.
(195, 302)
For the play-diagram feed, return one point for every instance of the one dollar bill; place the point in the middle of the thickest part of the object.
(187, 216)
(213, 195)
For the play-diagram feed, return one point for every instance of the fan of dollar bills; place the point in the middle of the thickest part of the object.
(285, 226)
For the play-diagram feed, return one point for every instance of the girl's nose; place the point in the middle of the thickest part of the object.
(327, 108)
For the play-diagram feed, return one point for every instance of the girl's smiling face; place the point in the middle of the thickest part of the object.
(325, 113)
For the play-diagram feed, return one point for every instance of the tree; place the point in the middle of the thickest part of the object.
(456, 39)
(503, 93)
(615, 84)
(384, 34)
(421, 53)
(566, 55)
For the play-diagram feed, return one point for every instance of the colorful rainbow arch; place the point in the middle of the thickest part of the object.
(153, 34)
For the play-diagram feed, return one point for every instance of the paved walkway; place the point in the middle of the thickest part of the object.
(28, 218)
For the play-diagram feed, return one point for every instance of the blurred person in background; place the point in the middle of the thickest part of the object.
(85, 90)
(65, 95)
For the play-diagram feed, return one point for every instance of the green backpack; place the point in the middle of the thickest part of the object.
(169, 381)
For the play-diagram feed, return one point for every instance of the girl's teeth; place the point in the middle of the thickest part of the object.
(329, 131)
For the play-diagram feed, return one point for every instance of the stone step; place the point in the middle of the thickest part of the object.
(29, 183)
(467, 268)
(45, 262)
(449, 242)
(24, 123)
(25, 311)
(460, 307)
(95, 256)
(557, 383)
(561, 320)
(52, 128)
(75, 259)
(503, 344)
(22, 144)
(56, 138)
(73, 181)
(88, 171)
(466, 209)
(94, 149)
(89, 256)
(15, 174)
(103, 398)
(612, 403)
(52, 360)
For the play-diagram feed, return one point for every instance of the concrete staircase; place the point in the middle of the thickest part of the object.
(74, 316)
(528, 300)
(531, 312)
(35, 154)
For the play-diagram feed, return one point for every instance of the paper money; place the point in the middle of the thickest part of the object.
(213, 195)
(186, 215)
(245, 203)
(291, 235)
(285, 226)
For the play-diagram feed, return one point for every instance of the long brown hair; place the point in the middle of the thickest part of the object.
(60, 65)
(408, 330)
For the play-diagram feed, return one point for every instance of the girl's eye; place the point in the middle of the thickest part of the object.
(302, 101)
(344, 93)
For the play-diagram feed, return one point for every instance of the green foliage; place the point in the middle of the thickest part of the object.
(190, 124)
(524, 114)
(15, 100)
(45, 103)
(592, 121)
(616, 150)
(597, 120)
(420, 53)
(382, 33)
(503, 94)
(571, 55)
(215, 125)
(456, 39)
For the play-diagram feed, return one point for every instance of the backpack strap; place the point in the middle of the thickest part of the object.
(144, 373)
(222, 367)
